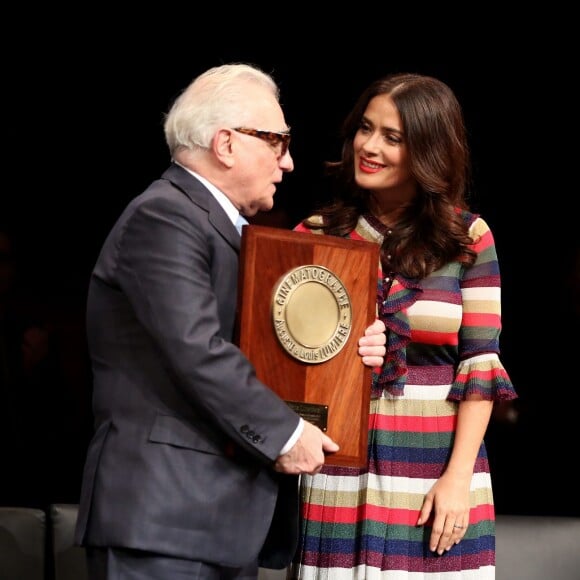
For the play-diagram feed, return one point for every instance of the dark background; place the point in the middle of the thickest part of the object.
(83, 108)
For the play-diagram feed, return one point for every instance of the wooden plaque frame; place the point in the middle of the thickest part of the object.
(341, 384)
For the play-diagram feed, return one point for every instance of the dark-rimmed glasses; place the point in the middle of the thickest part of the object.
(278, 140)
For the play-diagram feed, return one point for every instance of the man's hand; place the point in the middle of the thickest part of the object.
(307, 455)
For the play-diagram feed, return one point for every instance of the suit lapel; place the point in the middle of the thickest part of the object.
(200, 196)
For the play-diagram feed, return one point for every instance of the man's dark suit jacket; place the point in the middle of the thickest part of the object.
(185, 434)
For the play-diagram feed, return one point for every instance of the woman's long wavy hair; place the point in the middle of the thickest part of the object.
(432, 231)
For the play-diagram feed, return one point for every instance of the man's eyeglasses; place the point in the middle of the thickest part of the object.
(280, 141)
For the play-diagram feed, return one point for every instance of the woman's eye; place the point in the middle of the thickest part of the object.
(393, 139)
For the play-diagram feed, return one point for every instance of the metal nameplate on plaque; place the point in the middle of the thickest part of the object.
(316, 414)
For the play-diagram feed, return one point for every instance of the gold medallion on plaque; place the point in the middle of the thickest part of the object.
(312, 313)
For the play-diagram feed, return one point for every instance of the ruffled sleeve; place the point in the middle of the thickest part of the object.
(480, 370)
(482, 375)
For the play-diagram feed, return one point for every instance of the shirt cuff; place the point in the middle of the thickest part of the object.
(295, 436)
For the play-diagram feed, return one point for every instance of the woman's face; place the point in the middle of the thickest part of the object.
(381, 162)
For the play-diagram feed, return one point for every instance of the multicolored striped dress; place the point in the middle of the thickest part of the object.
(443, 344)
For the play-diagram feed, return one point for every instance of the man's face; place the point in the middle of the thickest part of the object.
(261, 153)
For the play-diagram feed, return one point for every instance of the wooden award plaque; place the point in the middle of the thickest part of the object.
(304, 300)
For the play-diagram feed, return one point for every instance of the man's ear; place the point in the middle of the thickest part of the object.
(223, 147)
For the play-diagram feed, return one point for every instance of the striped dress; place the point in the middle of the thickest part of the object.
(443, 344)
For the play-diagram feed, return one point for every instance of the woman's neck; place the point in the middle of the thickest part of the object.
(388, 208)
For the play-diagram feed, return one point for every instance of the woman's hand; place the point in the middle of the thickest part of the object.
(371, 346)
(447, 503)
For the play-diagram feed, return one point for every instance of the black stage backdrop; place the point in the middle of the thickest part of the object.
(84, 115)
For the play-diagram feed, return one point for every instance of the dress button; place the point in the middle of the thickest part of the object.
(244, 428)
